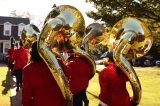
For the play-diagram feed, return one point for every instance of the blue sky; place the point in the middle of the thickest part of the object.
(40, 8)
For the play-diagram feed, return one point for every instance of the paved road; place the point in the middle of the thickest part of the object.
(15, 96)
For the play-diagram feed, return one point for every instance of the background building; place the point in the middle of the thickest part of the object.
(10, 27)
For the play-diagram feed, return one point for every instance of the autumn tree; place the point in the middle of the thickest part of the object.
(111, 11)
(26, 14)
(20, 14)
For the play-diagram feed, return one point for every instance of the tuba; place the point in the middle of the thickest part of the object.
(130, 39)
(29, 34)
(95, 38)
(61, 24)
(95, 35)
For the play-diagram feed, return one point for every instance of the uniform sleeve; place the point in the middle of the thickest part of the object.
(88, 68)
(104, 84)
(27, 56)
(14, 55)
(8, 55)
(26, 89)
(11, 55)
(66, 69)
(8, 52)
(91, 74)
(124, 76)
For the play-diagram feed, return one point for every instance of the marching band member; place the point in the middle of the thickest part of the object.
(81, 70)
(10, 61)
(39, 86)
(112, 82)
(20, 57)
(80, 76)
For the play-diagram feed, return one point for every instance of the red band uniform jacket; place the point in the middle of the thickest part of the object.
(113, 90)
(20, 57)
(39, 86)
(10, 54)
(80, 75)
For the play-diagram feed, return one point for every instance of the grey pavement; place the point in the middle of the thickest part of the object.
(16, 97)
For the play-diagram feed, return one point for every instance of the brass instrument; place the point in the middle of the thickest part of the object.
(131, 39)
(95, 35)
(58, 28)
(29, 34)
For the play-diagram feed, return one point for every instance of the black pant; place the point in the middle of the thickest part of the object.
(18, 74)
(79, 98)
(10, 66)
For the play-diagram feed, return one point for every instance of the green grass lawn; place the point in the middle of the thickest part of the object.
(5, 86)
(150, 82)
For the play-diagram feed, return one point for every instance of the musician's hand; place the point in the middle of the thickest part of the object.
(133, 103)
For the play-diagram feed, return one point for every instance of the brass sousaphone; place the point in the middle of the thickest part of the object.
(131, 39)
(61, 23)
(29, 34)
(95, 39)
